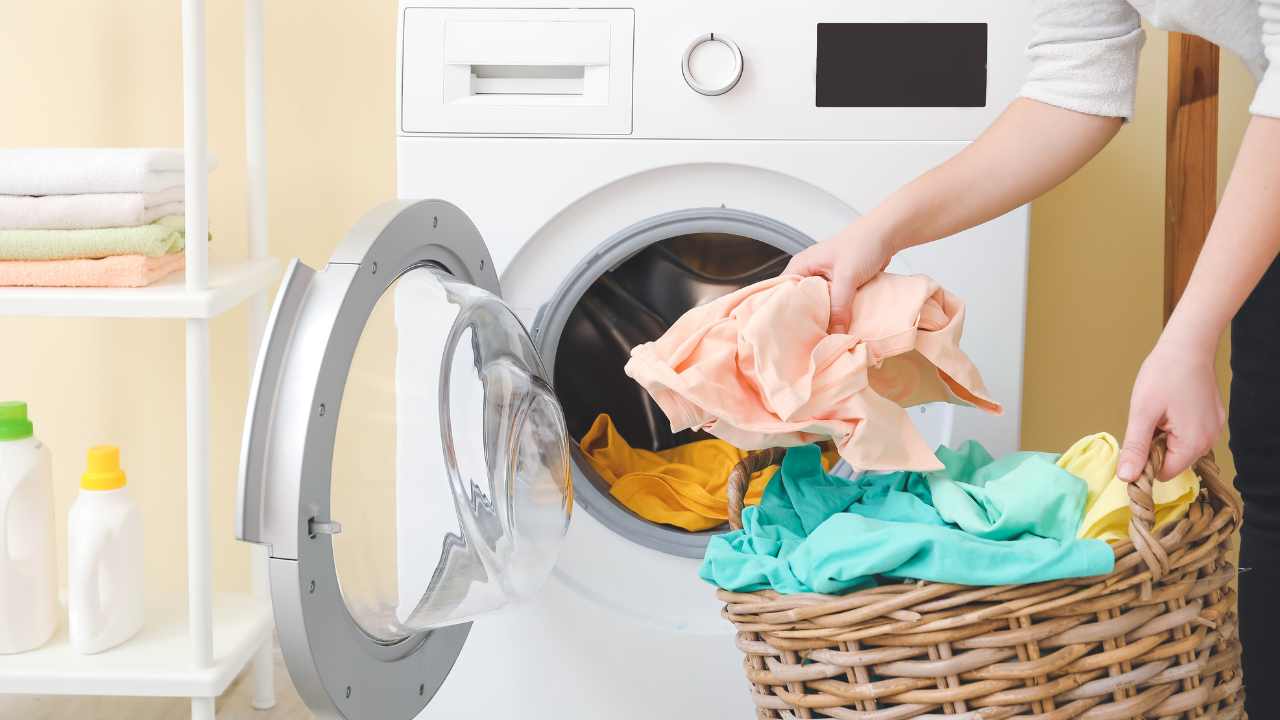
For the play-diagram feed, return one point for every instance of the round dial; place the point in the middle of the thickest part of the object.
(712, 64)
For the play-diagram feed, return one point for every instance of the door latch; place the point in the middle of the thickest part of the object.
(317, 527)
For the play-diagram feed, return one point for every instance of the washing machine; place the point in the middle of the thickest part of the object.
(570, 180)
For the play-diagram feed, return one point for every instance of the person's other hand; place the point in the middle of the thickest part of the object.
(849, 259)
(1176, 391)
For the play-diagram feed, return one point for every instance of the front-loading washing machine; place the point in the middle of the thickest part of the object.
(571, 180)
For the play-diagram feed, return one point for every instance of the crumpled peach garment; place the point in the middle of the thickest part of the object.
(757, 368)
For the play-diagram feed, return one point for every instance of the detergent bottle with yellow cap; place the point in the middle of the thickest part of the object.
(104, 535)
(28, 561)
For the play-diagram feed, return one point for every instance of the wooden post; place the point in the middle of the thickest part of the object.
(1191, 160)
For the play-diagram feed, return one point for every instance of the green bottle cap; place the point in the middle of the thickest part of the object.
(14, 424)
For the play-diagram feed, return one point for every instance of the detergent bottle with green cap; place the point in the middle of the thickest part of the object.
(104, 538)
(28, 561)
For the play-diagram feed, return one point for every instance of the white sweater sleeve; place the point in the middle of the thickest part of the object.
(1266, 101)
(1084, 56)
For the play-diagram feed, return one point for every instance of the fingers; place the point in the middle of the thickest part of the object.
(805, 263)
(1137, 442)
(797, 266)
(844, 284)
(1182, 453)
(1188, 446)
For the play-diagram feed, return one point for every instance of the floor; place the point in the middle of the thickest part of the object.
(233, 705)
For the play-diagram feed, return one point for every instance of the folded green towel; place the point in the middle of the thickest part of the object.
(162, 237)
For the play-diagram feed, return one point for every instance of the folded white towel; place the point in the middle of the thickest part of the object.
(91, 210)
(71, 171)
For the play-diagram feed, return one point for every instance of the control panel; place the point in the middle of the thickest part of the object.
(768, 70)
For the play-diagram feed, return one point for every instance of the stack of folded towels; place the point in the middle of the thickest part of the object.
(89, 217)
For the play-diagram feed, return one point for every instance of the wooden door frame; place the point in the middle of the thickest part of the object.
(1191, 159)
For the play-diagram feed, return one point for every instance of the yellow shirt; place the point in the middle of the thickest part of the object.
(683, 486)
(1106, 516)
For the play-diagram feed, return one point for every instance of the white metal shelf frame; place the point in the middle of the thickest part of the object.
(195, 140)
(152, 664)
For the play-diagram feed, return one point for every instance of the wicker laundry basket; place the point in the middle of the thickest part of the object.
(1157, 638)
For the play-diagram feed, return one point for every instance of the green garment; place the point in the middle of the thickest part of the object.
(978, 521)
(161, 237)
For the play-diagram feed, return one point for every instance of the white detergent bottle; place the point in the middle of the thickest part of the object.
(104, 536)
(28, 562)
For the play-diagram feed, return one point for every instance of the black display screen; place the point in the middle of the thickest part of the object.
(902, 65)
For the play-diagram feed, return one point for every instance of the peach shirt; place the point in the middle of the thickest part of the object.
(757, 368)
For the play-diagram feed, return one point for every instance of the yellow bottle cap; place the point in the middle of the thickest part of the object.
(103, 472)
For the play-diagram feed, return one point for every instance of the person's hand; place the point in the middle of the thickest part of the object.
(1176, 391)
(849, 259)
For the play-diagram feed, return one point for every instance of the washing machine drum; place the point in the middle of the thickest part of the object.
(634, 303)
(405, 461)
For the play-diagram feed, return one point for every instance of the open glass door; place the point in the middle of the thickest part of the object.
(404, 461)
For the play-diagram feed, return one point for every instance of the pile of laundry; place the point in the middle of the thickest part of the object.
(1026, 517)
(90, 217)
(757, 369)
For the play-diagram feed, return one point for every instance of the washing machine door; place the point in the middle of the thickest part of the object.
(405, 461)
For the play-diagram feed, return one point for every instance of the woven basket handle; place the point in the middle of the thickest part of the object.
(740, 478)
(1141, 504)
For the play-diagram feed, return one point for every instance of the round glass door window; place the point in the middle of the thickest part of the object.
(451, 476)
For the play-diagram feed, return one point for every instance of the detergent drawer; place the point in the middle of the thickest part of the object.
(535, 71)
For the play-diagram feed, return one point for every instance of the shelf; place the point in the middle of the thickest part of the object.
(156, 662)
(230, 283)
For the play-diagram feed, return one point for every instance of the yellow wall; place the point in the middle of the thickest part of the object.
(1096, 275)
(104, 72)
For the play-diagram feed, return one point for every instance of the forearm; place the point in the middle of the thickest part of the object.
(1242, 243)
(1030, 148)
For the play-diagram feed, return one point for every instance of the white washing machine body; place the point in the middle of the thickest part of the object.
(566, 142)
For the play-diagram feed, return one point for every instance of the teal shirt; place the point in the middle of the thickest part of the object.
(978, 521)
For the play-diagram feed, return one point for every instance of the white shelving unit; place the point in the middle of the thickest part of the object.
(230, 283)
(153, 663)
(198, 650)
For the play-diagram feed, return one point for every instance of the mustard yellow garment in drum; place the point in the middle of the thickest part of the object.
(1106, 515)
(683, 486)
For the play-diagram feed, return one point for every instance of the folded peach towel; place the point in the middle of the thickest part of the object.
(113, 271)
(757, 368)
